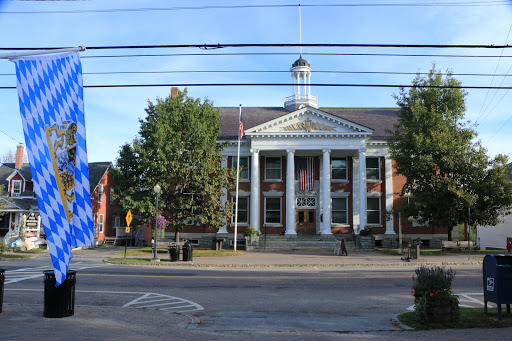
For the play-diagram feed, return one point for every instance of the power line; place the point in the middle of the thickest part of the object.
(495, 70)
(283, 71)
(293, 54)
(10, 136)
(220, 46)
(282, 84)
(148, 9)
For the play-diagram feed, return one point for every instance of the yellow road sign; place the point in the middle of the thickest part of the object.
(128, 219)
(127, 230)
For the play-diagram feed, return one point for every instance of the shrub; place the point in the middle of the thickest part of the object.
(367, 231)
(432, 286)
(250, 231)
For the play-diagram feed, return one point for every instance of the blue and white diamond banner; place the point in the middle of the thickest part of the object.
(52, 109)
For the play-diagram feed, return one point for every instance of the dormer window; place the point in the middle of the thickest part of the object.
(16, 188)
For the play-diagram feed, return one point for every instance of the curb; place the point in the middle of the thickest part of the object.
(396, 322)
(195, 265)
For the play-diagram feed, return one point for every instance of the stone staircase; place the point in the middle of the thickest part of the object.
(304, 242)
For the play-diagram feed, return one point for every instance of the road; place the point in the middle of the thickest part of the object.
(307, 301)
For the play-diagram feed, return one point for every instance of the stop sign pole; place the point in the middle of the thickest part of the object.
(127, 230)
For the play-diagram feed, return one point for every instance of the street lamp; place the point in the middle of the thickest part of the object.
(157, 190)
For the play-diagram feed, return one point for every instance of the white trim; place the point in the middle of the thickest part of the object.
(101, 223)
(12, 188)
(346, 169)
(379, 177)
(280, 169)
(280, 211)
(13, 174)
(273, 193)
(380, 211)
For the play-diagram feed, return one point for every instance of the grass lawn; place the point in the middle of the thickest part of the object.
(469, 318)
(196, 252)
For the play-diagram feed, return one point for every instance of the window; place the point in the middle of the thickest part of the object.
(272, 210)
(16, 188)
(373, 210)
(111, 196)
(244, 167)
(339, 169)
(339, 211)
(243, 212)
(100, 192)
(273, 168)
(100, 224)
(116, 221)
(372, 168)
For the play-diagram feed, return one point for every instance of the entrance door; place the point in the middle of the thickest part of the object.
(306, 221)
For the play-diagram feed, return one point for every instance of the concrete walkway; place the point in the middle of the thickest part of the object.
(293, 259)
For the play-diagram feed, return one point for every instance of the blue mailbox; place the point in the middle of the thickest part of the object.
(497, 273)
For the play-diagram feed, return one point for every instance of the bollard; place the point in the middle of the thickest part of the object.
(59, 301)
(2, 279)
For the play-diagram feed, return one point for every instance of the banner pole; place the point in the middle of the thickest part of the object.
(14, 55)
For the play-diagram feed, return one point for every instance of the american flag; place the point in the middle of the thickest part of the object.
(241, 125)
(306, 173)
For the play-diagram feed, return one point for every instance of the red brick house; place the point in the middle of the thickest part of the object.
(17, 180)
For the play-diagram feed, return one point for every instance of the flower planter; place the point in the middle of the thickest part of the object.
(441, 312)
(252, 243)
(366, 243)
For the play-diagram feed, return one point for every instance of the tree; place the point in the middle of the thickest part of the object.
(446, 172)
(176, 148)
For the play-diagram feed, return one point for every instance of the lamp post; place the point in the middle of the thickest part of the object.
(157, 190)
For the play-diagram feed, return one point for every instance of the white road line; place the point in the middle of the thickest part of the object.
(169, 301)
(18, 275)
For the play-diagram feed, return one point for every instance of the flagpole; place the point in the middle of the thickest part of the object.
(237, 177)
(14, 55)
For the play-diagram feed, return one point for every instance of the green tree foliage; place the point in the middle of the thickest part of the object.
(176, 148)
(4, 200)
(446, 171)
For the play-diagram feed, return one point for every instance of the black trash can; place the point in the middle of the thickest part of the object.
(59, 301)
(497, 280)
(2, 279)
(174, 253)
(187, 252)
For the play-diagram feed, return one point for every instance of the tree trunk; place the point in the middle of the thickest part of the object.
(177, 236)
(450, 231)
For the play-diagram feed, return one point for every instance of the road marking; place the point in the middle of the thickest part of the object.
(167, 303)
(467, 301)
(148, 300)
(18, 275)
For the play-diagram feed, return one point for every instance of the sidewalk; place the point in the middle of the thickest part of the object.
(291, 259)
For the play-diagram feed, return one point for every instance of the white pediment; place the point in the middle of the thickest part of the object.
(309, 121)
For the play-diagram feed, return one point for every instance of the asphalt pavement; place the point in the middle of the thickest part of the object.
(21, 322)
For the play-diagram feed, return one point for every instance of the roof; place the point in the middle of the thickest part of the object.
(96, 172)
(378, 119)
(301, 62)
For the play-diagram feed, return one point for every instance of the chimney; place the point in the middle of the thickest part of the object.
(19, 156)
(174, 92)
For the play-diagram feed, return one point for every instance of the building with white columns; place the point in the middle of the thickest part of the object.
(352, 183)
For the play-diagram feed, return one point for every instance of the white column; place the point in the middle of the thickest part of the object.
(309, 84)
(326, 191)
(389, 194)
(290, 192)
(224, 197)
(255, 190)
(362, 190)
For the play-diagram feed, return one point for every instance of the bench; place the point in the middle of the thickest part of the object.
(456, 245)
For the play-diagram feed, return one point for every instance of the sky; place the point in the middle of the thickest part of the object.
(112, 114)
